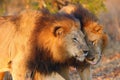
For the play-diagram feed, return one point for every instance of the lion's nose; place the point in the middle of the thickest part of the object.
(85, 53)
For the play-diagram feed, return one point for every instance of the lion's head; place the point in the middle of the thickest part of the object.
(95, 37)
(61, 37)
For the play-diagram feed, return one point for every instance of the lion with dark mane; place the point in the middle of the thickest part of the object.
(94, 35)
(40, 41)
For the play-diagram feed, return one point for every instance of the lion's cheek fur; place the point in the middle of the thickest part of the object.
(54, 45)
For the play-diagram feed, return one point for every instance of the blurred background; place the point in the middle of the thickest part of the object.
(108, 12)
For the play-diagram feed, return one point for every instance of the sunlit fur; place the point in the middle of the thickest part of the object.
(39, 41)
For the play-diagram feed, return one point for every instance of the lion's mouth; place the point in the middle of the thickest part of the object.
(94, 61)
(91, 60)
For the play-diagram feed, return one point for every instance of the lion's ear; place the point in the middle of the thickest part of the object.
(58, 31)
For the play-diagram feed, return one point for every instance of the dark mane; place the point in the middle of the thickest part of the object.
(42, 60)
(84, 15)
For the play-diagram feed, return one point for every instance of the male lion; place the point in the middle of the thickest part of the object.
(39, 41)
(95, 38)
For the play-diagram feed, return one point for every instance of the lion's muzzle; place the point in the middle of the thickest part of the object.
(94, 59)
(81, 57)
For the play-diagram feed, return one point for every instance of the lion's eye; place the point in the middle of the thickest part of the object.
(75, 40)
(93, 42)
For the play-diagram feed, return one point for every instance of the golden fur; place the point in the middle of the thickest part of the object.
(39, 41)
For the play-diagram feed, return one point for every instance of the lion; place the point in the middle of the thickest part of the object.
(38, 41)
(94, 36)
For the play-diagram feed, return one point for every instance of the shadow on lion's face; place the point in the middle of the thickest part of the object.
(95, 40)
(95, 52)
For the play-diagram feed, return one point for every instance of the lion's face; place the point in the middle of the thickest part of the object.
(95, 40)
(64, 39)
(72, 43)
(75, 44)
